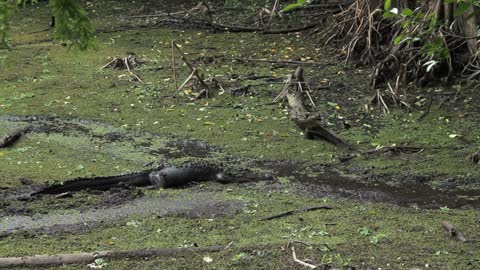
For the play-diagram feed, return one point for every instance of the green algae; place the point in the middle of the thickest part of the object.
(337, 233)
(44, 78)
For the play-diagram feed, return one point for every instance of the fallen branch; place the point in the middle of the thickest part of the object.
(321, 6)
(195, 73)
(311, 266)
(310, 123)
(453, 231)
(82, 258)
(385, 149)
(288, 62)
(291, 212)
(427, 111)
(126, 63)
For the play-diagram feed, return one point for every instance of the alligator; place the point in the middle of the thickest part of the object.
(164, 177)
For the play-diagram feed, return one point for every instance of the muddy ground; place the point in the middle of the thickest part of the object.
(86, 121)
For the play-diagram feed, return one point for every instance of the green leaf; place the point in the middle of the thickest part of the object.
(398, 39)
(388, 15)
(301, 2)
(461, 8)
(291, 7)
(388, 4)
(407, 12)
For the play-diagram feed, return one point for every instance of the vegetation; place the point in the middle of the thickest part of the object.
(403, 173)
(72, 23)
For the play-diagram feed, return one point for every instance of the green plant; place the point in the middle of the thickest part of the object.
(73, 25)
(377, 238)
(294, 5)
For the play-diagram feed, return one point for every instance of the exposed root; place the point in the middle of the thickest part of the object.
(475, 158)
(404, 52)
(127, 63)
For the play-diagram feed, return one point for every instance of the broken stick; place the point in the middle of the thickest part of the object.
(296, 211)
(195, 73)
(294, 255)
(81, 258)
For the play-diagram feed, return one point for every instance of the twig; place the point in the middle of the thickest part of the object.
(125, 60)
(443, 102)
(296, 211)
(174, 71)
(427, 111)
(274, 9)
(187, 80)
(109, 63)
(311, 266)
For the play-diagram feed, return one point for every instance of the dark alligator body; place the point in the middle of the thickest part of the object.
(166, 177)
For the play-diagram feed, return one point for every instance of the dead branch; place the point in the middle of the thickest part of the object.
(291, 212)
(288, 62)
(310, 123)
(195, 73)
(127, 63)
(427, 111)
(453, 231)
(174, 71)
(82, 258)
(289, 30)
(311, 266)
(385, 149)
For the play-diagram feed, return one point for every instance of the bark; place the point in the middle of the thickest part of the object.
(82, 258)
(310, 123)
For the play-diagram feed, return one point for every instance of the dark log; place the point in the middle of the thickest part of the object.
(309, 122)
(12, 137)
(454, 232)
(297, 211)
(82, 258)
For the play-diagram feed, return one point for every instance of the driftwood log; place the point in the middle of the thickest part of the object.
(82, 258)
(309, 122)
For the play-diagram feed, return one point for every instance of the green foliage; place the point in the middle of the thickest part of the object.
(421, 29)
(73, 25)
(294, 5)
(7, 10)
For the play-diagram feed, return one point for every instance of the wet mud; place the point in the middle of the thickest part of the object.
(195, 205)
(309, 180)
